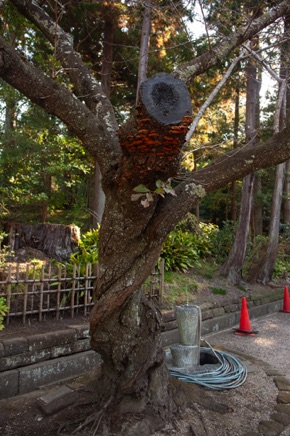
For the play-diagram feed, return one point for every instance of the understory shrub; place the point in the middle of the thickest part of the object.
(5, 252)
(223, 240)
(218, 291)
(189, 242)
(178, 251)
(282, 267)
(88, 248)
(3, 311)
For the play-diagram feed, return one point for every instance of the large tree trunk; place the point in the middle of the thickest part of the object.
(266, 266)
(257, 208)
(131, 236)
(133, 373)
(264, 271)
(124, 326)
(232, 268)
(286, 209)
(235, 146)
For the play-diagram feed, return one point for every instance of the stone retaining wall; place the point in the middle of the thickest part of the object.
(27, 363)
(216, 318)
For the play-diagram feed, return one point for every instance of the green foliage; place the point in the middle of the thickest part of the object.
(4, 251)
(205, 239)
(88, 253)
(35, 272)
(241, 288)
(189, 223)
(187, 244)
(41, 167)
(223, 241)
(3, 311)
(178, 251)
(147, 196)
(88, 248)
(206, 268)
(218, 291)
(282, 267)
(204, 234)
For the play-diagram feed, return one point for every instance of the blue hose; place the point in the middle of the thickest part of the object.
(230, 374)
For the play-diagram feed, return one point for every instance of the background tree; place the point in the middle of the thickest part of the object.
(265, 269)
(232, 268)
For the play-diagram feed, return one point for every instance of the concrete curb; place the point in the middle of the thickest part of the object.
(218, 323)
(28, 363)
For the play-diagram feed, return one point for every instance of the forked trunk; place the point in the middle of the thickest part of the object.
(125, 326)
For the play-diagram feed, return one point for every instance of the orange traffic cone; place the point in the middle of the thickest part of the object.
(286, 302)
(245, 325)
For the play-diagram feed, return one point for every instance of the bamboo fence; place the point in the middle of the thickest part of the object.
(55, 291)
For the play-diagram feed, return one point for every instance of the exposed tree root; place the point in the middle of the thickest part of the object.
(94, 419)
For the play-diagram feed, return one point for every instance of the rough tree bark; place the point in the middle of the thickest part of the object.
(257, 227)
(144, 46)
(235, 146)
(232, 268)
(125, 326)
(286, 209)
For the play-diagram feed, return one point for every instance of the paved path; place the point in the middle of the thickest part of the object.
(271, 344)
(270, 353)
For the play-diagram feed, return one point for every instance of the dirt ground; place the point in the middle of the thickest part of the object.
(202, 411)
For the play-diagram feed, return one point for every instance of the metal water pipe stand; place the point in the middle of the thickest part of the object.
(188, 354)
(205, 366)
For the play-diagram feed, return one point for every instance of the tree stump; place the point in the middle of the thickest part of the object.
(57, 241)
(152, 144)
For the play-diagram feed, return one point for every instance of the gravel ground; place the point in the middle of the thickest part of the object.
(271, 344)
(238, 412)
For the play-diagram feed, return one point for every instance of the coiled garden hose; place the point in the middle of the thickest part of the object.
(230, 374)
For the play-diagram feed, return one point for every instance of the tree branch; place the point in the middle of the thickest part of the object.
(144, 46)
(202, 63)
(229, 167)
(264, 64)
(212, 95)
(86, 85)
(279, 112)
(57, 100)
